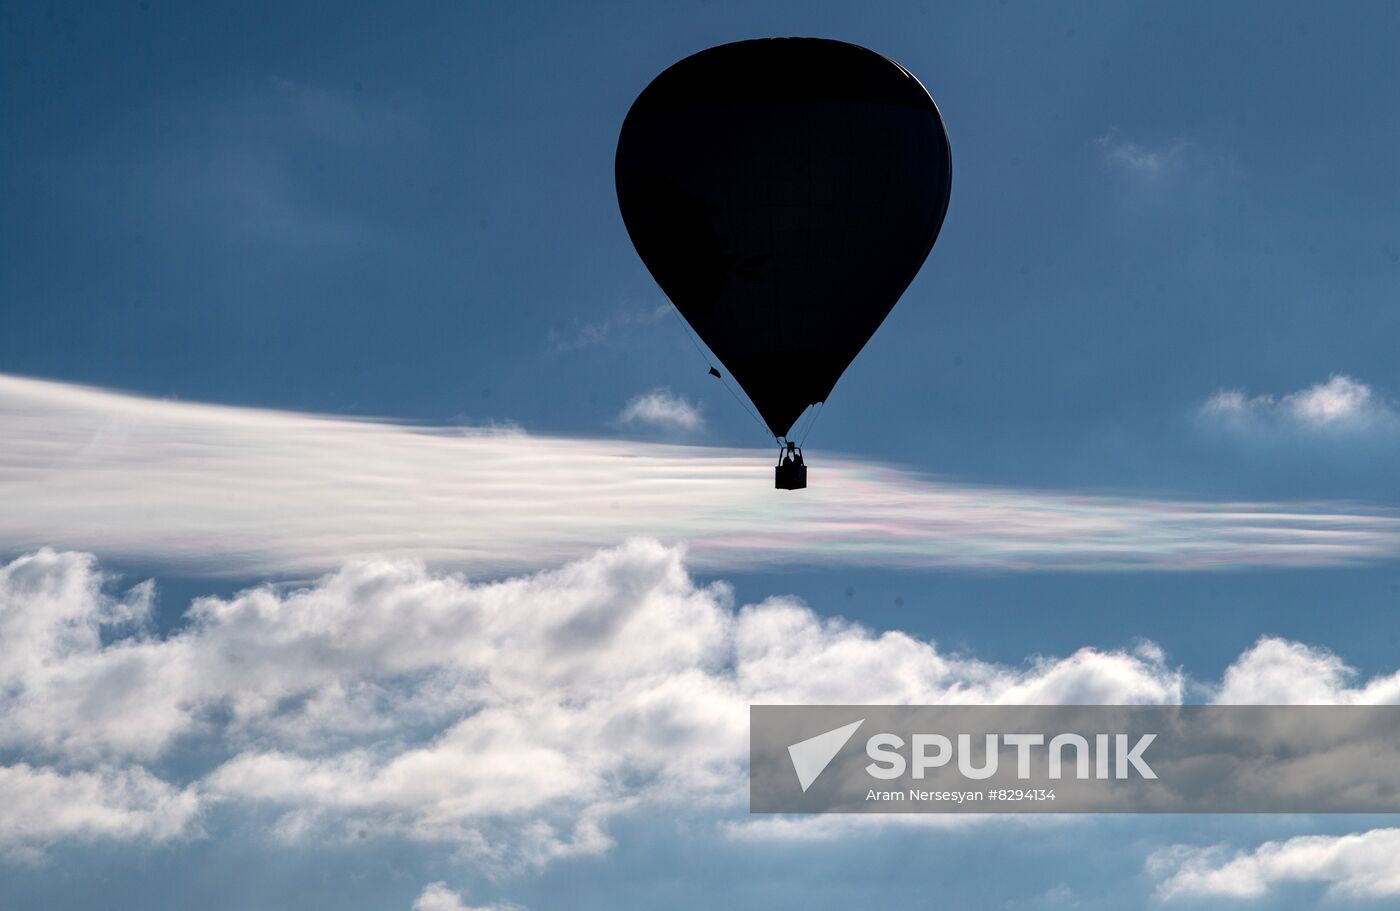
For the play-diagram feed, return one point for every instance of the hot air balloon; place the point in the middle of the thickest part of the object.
(784, 192)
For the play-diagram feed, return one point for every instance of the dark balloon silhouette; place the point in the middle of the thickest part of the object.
(784, 192)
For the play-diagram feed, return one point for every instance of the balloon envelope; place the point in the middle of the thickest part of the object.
(784, 192)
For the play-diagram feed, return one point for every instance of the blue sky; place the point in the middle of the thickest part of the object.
(1165, 289)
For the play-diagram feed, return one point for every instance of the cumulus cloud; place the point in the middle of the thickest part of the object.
(41, 805)
(1340, 404)
(1279, 672)
(663, 410)
(1357, 866)
(437, 897)
(508, 721)
(239, 491)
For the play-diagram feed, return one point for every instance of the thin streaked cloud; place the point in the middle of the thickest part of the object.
(240, 491)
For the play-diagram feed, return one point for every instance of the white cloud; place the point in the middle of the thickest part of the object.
(1279, 672)
(238, 491)
(1340, 404)
(617, 328)
(437, 897)
(1339, 399)
(582, 335)
(661, 409)
(1138, 158)
(1357, 866)
(508, 721)
(828, 827)
(40, 805)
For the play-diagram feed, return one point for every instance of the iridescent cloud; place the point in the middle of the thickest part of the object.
(238, 491)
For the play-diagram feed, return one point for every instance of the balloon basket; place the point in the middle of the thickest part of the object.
(790, 477)
(791, 472)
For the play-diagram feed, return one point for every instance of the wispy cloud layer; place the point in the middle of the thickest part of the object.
(617, 328)
(238, 491)
(1139, 158)
(1362, 865)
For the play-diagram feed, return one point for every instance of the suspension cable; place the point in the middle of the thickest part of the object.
(696, 342)
(816, 416)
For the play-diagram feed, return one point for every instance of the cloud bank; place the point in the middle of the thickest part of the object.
(506, 722)
(240, 492)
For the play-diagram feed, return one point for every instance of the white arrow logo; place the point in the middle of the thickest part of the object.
(810, 757)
